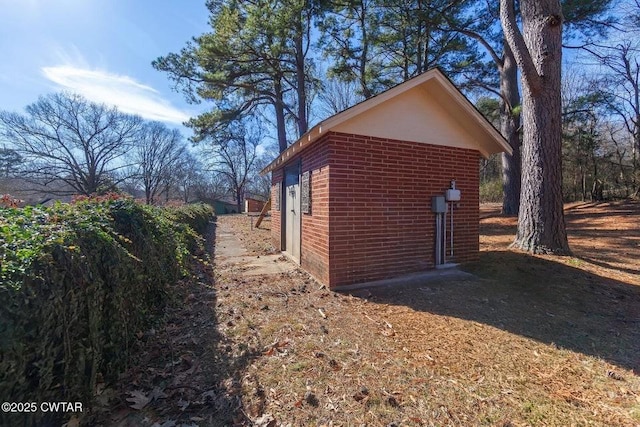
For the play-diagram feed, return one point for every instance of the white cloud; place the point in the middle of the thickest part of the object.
(124, 92)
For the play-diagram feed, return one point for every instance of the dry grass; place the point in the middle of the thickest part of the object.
(532, 340)
(605, 237)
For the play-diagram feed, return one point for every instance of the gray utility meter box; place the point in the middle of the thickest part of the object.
(452, 195)
(438, 204)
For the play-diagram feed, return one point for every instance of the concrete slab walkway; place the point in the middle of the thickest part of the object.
(230, 252)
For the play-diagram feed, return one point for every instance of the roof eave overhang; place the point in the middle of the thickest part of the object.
(294, 149)
(306, 140)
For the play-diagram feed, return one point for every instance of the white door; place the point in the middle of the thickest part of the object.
(292, 213)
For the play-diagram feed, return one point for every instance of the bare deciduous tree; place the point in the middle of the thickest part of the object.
(233, 154)
(337, 96)
(156, 154)
(67, 139)
(185, 177)
(209, 186)
(621, 73)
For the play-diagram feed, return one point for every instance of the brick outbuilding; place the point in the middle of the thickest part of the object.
(353, 198)
(253, 204)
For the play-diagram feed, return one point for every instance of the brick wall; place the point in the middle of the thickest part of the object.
(276, 213)
(314, 253)
(253, 205)
(371, 207)
(380, 206)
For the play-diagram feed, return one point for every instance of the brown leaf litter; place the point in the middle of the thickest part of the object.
(531, 340)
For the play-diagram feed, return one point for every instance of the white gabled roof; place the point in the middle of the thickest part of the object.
(426, 109)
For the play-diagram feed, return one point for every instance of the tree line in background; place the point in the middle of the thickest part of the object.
(269, 69)
(262, 59)
(266, 59)
(67, 145)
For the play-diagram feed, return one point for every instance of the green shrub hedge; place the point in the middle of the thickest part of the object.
(196, 216)
(77, 282)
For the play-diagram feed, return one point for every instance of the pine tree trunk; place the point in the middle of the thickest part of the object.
(509, 127)
(280, 117)
(301, 79)
(364, 55)
(538, 52)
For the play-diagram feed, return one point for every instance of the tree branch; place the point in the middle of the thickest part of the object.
(514, 38)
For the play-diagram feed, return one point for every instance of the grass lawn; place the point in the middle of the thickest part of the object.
(531, 340)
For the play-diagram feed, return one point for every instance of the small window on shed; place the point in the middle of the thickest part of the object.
(305, 191)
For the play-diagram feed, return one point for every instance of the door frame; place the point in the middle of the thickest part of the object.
(294, 168)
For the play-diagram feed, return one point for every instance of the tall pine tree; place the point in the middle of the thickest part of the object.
(256, 56)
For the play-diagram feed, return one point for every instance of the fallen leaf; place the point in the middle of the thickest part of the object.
(73, 422)
(266, 420)
(183, 404)
(138, 399)
(157, 393)
(615, 376)
(276, 346)
(99, 388)
(282, 344)
(359, 396)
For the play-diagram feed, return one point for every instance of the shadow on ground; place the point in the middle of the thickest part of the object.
(540, 299)
(187, 372)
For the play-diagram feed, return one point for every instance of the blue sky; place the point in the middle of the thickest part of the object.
(101, 49)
